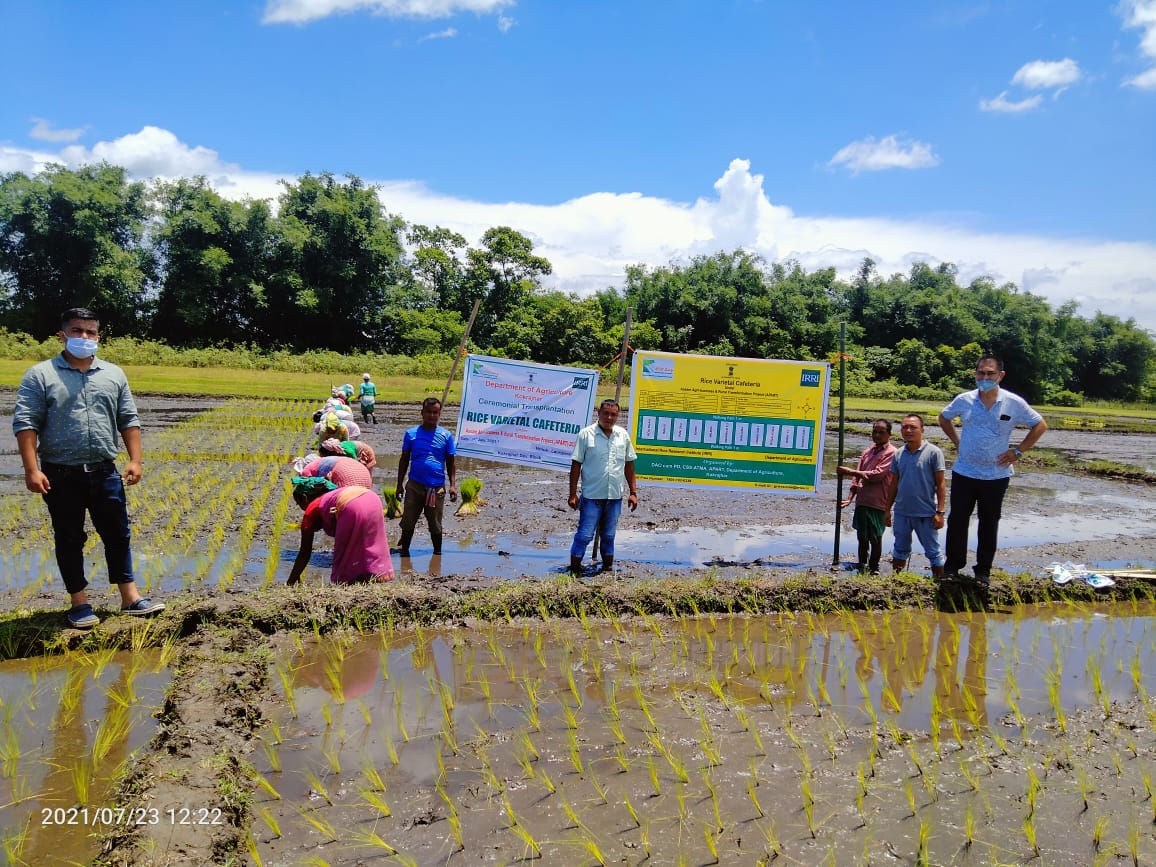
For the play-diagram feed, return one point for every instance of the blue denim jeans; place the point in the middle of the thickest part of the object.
(902, 526)
(100, 493)
(600, 515)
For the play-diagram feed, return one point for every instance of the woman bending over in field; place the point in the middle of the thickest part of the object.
(354, 517)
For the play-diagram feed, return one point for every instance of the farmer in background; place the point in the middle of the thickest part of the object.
(604, 459)
(69, 410)
(355, 517)
(983, 468)
(916, 503)
(368, 399)
(872, 481)
(427, 453)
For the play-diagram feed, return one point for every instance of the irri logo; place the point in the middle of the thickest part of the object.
(811, 378)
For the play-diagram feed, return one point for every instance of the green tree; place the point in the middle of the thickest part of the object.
(73, 238)
(436, 264)
(216, 256)
(504, 272)
(336, 257)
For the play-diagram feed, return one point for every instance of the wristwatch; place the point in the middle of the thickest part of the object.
(940, 512)
(1017, 452)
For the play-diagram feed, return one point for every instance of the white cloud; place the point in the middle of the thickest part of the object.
(1141, 14)
(888, 152)
(42, 130)
(1145, 80)
(1001, 103)
(1046, 74)
(303, 11)
(591, 239)
(505, 22)
(448, 33)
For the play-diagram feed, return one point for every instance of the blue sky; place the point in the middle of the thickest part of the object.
(1015, 139)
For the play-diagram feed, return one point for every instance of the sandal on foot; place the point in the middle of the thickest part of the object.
(82, 617)
(143, 606)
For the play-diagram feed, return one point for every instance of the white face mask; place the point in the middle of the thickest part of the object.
(80, 347)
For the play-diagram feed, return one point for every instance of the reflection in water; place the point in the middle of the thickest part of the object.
(69, 724)
(500, 716)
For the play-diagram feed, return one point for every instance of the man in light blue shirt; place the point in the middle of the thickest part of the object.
(983, 469)
(604, 459)
(69, 410)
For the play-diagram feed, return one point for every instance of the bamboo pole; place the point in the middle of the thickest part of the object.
(461, 349)
(842, 416)
(617, 394)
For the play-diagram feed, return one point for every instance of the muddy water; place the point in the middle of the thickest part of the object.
(69, 724)
(212, 513)
(839, 739)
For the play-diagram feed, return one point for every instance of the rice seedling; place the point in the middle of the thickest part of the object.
(319, 822)
(80, 773)
(287, 689)
(368, 837)
(531, 708)
(114, 728)
(633, 813)
(755, 799)
(809, 804)
(909, 792)
(599, 789)
(711, 844)
(544, 778)
(1098, 829)
(266, 816)
(568, 715)
(377, 802)
(922, 852)
(653, 772)
(575, 753)
(532, 849)
(317, 786)
(589, 844)
(1134, 843)
(264, 783)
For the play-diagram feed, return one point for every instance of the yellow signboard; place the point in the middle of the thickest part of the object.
(742, 423)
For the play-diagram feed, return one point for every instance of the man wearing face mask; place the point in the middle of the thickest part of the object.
(983, 468)
(69, 410)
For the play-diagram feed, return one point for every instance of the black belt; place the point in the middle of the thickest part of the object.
(93, 467)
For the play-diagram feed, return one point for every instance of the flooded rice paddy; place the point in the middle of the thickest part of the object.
(68, 728)
(909, 736)
(918, 737)
(214, 512)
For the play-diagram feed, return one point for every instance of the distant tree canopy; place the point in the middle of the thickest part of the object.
(330, 268)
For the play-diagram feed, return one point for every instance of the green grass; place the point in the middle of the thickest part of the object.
(309, 386)
(258, 383)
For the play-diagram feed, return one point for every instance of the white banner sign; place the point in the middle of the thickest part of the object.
(518, 412)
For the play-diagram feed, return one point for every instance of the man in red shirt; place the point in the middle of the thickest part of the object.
(873, 481)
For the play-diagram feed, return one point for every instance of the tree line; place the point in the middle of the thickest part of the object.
(329, 268)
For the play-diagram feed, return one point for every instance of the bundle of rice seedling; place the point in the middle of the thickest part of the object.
(392, 502)
(471, 489)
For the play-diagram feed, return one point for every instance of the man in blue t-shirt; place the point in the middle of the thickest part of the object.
(427, 452)
(917, 503)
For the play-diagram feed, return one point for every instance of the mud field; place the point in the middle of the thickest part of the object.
(678, 712)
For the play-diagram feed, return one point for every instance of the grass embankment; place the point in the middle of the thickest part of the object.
(25, 633)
